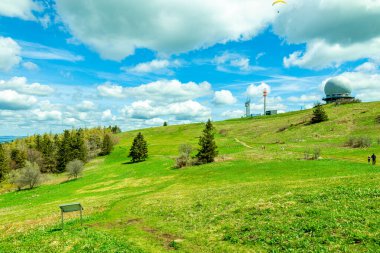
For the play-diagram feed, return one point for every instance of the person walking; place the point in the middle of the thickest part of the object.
(373, 159)
(369, 160)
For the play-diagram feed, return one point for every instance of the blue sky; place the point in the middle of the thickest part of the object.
(68, 63)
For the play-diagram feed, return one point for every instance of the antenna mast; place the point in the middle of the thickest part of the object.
(265, 94)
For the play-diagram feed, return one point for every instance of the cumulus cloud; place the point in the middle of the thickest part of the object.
(364, 85)
(348, 31)
(188, 110)
(232, 62)
(155, 66)
(304, 98)
(30, 66)
(21, 85)
(224, 97)
(115, 28)
(53, 115)
(159, 91)
(9, 53)
(108, 116)
(86, 106)
(257, 90)
(19, 9)
(230, 114)
(320, 54)
(12, 100)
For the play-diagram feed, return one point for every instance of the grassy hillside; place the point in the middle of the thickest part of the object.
(250, 200)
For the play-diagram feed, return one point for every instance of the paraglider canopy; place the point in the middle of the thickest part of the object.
(278, 2)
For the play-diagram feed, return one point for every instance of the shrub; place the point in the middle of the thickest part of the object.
(359, 142)
(29, 176)
(314, 154)
(377, 119)
(74, 168)
(223, 132)
(184, 158)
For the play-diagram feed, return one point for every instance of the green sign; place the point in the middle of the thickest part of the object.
(73, 207)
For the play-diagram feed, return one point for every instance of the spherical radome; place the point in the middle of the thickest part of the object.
(338, 85)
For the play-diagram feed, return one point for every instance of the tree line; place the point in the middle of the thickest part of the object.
(52, 153)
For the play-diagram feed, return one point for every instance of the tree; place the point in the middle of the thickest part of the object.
(165, 123)
(319, 114)
(18, 158)
(29, 176)
(208, 149)
(64, 154)
(139, 149)
(77, 146)
(107, 145)
(3, 162)
(74, 168)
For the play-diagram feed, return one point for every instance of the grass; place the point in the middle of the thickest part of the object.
(252, 200)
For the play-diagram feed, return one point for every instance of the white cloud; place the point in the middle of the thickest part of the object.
(224, 97)
(155, 66)
(320, 54)
(154, 122)
(47, 115)
(367, 67)
(86, 106)
(188, 110)
(115, 28)
(231, 114)
(21, 85)
(232, 62)
(19, 9)
(257, 90)
(12, 100)
(9, 54)
(37, 51)
(304, 98)
(110, 90)
(30, 66)
(160, 91)
(108, 116)
(335, 31)
(364, 85)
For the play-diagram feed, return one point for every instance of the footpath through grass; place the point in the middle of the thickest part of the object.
(250, 200)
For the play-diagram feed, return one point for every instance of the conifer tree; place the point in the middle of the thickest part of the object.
(107, 145)
(319, 114)
(3, 162)
(165, 123)
(208, 149)
(49, 150)
(18, 158)
(64, 154)
(77, 145)
(139, 149)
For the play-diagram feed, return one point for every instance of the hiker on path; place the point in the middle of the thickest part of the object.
(369, 159)
(373, 159)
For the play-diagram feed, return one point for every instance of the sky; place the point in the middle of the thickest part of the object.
(136, 64)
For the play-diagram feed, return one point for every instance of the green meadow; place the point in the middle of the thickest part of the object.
(250, 200)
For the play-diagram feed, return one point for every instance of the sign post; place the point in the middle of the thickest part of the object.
(73, 207)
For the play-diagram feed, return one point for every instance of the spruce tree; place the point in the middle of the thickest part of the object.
(107, 145)
(48, 149)
(165, 123)
(64, 154)
(3, 162)
(319, 114)
(208, 149)
(18, 158)
(77, 145)
(139, 149)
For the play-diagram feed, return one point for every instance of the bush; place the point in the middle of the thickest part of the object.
(359, 142)
(74, 168)
(377, 119)
(314, 154)
(223, 132)
(29, 176)
(184, 158)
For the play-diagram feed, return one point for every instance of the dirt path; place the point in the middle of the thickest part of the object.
(242, 143)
